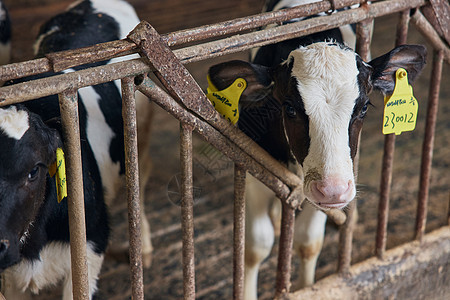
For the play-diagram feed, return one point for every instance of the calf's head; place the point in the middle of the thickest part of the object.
(322, 91)
(27, 148)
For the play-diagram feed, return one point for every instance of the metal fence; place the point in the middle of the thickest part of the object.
(186, 102)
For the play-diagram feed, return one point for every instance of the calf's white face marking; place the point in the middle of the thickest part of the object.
(13, 123)
(327, 82)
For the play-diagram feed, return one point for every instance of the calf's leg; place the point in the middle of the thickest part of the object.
(308, 241)
(259, 233)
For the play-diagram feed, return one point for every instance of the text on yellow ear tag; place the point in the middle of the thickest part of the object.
(59, 168)
(226, 101)
(400, 109)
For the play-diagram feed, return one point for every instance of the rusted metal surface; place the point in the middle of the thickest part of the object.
(184, 88)
(364, 34)
(437, 13)
(242, 42)
(402, 28)
(231, 150)
(252, 22)
(345, 240)
(385, 190)
(388, 157)
(65, 59)
(427, 30)
(239, 232)
(211, 135)
(187, 211)
(283, 280)
(400, 275)
(237, 43)
(23, 69)
(215, 130)
(132, 179)
(74, 80)
(62, 60)
(428, 143)
(172, 74)
(363, 39)
(68, 103)
(280, 33)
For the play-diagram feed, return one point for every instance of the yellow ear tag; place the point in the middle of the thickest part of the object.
(400, 109)
(226, 102)
(59, 168)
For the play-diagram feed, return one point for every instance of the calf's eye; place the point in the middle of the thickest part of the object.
(290, 110)
(364, 109)
(33, 173)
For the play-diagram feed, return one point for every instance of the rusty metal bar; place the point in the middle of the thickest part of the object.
(345, 240)
(182, 86)
(132, 178)
(239, 232)
(22, 69)
(448, 212)
(187, 211)
(96, 75)
(428, 143)
(252, 22)
(292, 30)
(427, 30)
(218, 48)
(402, 28)
(385, 190)
(283, 280)
(238, 155)
(68, 103)
(388, 157)
(211, 135)
(74, 80)
(363, 40)
(66, 59)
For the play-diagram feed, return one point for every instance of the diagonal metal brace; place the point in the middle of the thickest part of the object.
(183, 87)
(169, 70)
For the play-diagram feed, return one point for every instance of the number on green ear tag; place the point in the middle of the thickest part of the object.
(400, 109)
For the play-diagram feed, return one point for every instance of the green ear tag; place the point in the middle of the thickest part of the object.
(226, 102)
(400, 109)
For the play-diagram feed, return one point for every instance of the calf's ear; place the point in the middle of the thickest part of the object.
(410, 57)
(258, 78)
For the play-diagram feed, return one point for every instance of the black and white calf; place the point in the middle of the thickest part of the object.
(306, 107)
(34, 236)
(5, 35)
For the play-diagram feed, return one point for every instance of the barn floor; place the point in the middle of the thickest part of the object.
(213, 172)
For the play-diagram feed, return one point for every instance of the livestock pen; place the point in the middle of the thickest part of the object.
(367, 278)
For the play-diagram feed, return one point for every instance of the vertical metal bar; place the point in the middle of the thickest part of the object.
(187, 211)
(68, 103)
(283, 281)
(363, 40)
(428, 143)
(388, 159)
(402, 28)
(239, 232)
(448, 213)
(132, 178)
(345, 240)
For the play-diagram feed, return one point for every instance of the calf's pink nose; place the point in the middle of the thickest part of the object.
(332, 192)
